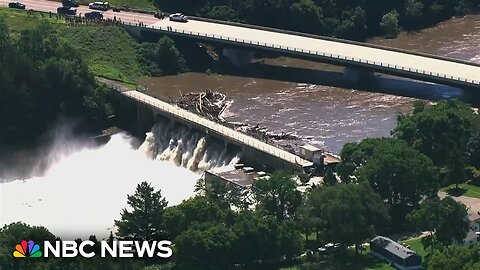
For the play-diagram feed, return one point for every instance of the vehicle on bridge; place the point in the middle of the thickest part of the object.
(70, 3)
(16, 5)
(178, 17)
(67, 11)
(94, 15)
(103, 6)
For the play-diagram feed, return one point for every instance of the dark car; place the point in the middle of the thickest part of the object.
(16, 5)
(67, 11)
(94, 15)
(70, 3)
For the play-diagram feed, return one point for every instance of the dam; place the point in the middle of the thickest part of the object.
(256, 153)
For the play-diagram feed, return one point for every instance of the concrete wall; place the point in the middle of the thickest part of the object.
(145, 116)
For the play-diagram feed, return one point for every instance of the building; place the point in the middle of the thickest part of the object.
(474, 227)
(395, 253)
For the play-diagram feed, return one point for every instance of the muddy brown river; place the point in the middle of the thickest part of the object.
(325, 116)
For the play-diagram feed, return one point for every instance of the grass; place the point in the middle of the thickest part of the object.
(109, 51)
(140, 4)
(468, 190)
(19, 20)
(416, 245)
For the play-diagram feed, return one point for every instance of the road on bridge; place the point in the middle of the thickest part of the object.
(393, 60)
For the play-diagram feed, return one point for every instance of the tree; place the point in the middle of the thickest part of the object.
(329, 179)
(278, 195)
(413, 12)
(455, 257)
(446, 220)
(197, 210)
(349, 213)
(12, 234)
(439, 131)
(264, 239)
(354, 156)
(224, 13)
(306, 16)
(145, 221)
(389, 24)
(167, 56)
(401, 175)
(473, 151)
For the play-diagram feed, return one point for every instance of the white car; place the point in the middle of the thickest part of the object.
(99, 6)
(178, 17)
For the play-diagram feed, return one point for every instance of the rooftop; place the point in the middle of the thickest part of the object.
(393, 247)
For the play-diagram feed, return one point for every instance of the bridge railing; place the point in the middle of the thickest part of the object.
(216, 127)
(316, 53)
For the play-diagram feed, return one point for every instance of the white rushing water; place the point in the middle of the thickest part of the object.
(86, 189)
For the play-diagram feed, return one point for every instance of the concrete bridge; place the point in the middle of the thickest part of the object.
(255, 152)
(361, 59)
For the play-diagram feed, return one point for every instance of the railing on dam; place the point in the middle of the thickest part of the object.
(224, 131)
(320, 54)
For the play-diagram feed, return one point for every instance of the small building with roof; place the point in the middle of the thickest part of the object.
(395, 253)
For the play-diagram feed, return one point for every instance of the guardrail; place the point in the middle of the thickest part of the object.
(346, 41)
(359, 61)
(218, 128)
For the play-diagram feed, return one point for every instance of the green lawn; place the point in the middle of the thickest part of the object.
(19, 20)
(416, 245)
(468, 190)
(109, 51)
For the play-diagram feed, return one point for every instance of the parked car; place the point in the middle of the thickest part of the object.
(94, 15)
(330, 248)
(17, 5)
(67, 11)
(103, 6)
(178, 17)
(70, 3)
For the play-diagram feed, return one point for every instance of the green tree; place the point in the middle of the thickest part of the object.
(354, 156)
(197, 210)
(473, 151)
(413, 12)
(349, 213)
(446, 220)
(224, 13)
(145, 221)
(306, 16)
(12, 234)
(401, 175)
(277, 195)
(455, 257)
(439, 131)
(389, 24)
(329, 179)
(264, 239)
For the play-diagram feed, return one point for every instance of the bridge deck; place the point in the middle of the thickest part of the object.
(224, 131)
(412, 65)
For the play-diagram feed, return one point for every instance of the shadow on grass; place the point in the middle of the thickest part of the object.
(456, 191)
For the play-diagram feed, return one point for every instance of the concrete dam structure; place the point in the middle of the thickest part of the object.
(255, 153)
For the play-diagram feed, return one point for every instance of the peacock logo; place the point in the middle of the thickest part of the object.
(27, 250)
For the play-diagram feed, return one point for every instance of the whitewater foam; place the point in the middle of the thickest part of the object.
(85, 190)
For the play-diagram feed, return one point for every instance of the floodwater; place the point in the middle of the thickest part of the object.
(325, 116)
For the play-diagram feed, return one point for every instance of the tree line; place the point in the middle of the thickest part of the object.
(353, 19)
(41, 79)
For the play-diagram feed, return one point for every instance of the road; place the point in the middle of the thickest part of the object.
(380, 57)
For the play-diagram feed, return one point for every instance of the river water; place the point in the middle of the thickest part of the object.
(85, 188)
(325, 116)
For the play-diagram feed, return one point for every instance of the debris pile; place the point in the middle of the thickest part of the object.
(210, 104)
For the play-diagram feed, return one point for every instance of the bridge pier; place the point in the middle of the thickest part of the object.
(238, 57)
(357, 75)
